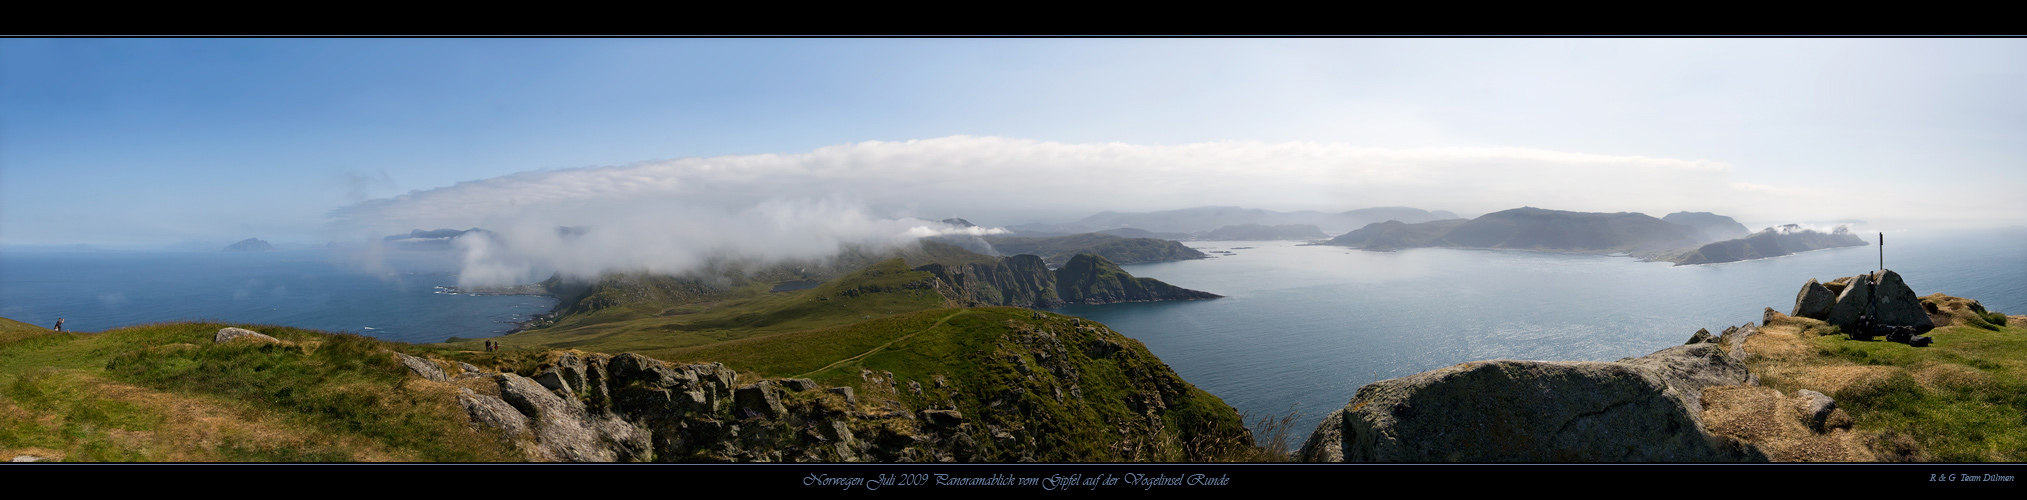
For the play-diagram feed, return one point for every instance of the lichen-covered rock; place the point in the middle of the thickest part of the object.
(229, 334)
(1687, 369)
(1813, 301)
(422, 367)
(1530, 411)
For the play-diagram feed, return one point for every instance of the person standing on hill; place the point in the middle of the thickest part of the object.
(59, 324)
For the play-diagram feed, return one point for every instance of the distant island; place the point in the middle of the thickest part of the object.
(1630, 233)
(1770, 242)
(249, 245)
(1529, 228)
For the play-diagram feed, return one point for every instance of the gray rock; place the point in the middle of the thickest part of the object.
(1702, 335)
(423, 367)
(466, 370)
(1687, 369)
(552, 378)
(1813, 301)
(1817, 408)
(1734, 338)
(799, 384)
(561, 427)
(943, 419)
(1897, 304)
(490, 411)
(761, 397)
(1527, 411)
(229, 334)
(850, 399)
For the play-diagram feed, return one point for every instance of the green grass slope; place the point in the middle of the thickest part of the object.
(885, 288)
(166, 392)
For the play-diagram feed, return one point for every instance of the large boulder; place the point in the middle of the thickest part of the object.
(1813, 301)
(229, 334)
(1895, 304)
(1636, 410)
(422, 367)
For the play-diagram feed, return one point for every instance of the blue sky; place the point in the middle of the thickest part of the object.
(154, 142)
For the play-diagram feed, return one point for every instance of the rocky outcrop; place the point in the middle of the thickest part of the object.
(229, 334)
(1645, 409)
(1884, 296)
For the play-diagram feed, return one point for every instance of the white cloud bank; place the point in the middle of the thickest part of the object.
(669, 216)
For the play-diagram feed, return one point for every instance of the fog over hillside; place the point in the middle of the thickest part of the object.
(669, 216)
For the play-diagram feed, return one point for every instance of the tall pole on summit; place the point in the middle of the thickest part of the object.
(1882, 250)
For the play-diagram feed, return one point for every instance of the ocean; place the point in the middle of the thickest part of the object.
(396, 296)
(1301, 328)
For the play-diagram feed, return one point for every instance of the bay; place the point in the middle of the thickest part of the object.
(1301, 328)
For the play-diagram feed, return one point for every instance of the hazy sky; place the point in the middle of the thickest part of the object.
(130, 142)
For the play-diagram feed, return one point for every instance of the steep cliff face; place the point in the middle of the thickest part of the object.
(1090, 279)
(1025, 281)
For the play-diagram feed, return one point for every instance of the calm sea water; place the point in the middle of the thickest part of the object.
(1302, 327)
(394, 297)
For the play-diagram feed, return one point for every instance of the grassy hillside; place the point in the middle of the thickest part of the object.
(1035, 380)
(1961, 399)
(166, 392)
(658, 328)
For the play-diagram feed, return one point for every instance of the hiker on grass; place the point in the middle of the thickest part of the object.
(59, 324)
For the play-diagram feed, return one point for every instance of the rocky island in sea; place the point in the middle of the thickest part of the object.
(1681, 241)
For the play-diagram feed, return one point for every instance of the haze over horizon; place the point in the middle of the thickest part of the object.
(735, 144)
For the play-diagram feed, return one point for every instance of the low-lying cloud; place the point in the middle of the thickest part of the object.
(671, 216)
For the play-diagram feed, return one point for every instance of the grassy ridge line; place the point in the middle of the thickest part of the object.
(165, 392)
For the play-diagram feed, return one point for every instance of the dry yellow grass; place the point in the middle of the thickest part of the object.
(1777, 425)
